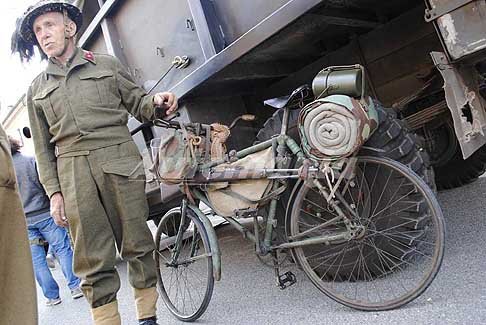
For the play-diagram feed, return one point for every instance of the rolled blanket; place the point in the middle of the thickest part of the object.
(335, 127)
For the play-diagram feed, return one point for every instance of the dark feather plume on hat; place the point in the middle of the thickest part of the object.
(19, 45)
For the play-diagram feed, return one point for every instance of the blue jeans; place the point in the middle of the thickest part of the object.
(57, 237)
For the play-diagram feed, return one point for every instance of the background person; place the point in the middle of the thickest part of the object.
(41, 228)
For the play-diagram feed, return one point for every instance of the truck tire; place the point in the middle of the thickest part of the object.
(458, 172)
(451, 170)
(392, 138)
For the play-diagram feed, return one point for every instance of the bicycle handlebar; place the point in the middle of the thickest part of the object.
(168, 123)
(140, 127)
(165, 123)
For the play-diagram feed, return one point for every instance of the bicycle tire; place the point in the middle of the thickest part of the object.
(195, 234)
(379, 253)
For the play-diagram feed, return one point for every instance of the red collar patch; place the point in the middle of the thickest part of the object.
(88, 55)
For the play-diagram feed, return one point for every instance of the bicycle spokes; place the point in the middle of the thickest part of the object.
(395, 244)
(185, 265)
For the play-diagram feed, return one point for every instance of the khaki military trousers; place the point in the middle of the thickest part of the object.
(104, 196)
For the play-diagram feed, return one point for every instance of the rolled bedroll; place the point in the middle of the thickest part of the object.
(336, 126)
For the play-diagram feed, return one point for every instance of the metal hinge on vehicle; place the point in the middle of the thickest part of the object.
(467, 107)
(444, 8)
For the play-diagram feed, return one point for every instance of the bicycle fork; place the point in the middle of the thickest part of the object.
(354, 230)
(178, 241)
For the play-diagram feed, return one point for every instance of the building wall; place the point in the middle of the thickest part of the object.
(15, 121)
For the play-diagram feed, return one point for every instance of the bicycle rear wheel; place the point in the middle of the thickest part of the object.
(400, 246)
(184, 265)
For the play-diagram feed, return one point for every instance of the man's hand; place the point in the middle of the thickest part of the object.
(167, 101)
(57, 210)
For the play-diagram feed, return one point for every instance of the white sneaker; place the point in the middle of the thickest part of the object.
(76, 293)
(51, 261)
(53, 302)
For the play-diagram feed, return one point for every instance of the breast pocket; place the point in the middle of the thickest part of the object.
(98, 88)
(43, 99)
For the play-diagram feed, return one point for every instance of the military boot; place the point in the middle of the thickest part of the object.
(148, 321)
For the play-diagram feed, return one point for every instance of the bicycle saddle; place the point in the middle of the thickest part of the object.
(293, 100)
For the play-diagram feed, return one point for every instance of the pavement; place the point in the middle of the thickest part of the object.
(247, 294)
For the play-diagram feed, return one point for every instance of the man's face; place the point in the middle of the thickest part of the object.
(49, 29)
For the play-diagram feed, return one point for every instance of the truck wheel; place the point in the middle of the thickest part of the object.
(392, 137)
(451, 170)
(458, 172)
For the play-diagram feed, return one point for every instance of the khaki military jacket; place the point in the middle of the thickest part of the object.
(82, 107)
(18, 301)
(7, 172)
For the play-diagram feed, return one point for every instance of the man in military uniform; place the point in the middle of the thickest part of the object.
(88, 163)
(18, 302)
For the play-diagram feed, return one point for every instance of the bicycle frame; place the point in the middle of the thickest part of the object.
(263, 246)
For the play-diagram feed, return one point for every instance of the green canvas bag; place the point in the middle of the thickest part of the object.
(175, 158)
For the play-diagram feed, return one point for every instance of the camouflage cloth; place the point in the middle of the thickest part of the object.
(336, 126)
(227, 197)
(177, 156)
(176, 159)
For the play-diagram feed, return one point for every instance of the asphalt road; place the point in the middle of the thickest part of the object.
(247, 294)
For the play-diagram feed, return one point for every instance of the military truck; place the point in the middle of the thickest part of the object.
(425, 62)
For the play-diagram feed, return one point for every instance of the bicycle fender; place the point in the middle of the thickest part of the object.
(213, 242)
(288, 208)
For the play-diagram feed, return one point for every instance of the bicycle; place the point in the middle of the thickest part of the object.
(372, 240)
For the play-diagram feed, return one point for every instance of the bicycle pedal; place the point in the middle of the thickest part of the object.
(286, 280)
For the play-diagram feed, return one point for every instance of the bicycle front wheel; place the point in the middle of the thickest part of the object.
(398, 250)
(184, 265)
